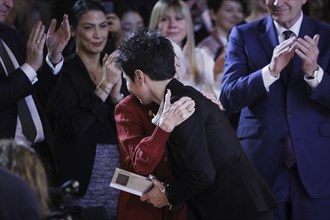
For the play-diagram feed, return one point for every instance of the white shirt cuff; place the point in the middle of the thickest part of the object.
(29, 72)
(313, 83)
(267, 78)
(56, 69)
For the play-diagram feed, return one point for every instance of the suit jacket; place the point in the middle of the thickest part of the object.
(17, 85)
(17, 200)
(213, 174)
(80, 120)
(290, 107)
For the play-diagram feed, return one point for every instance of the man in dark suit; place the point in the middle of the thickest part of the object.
(213, 175)
(20, 86)
(17, 200)
(283, 89)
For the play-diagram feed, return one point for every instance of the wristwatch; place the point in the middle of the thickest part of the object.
(314, 73)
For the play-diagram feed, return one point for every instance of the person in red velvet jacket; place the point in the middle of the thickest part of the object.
(142, 151)
(142, 146)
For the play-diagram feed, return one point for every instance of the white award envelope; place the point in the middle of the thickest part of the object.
(130, 182)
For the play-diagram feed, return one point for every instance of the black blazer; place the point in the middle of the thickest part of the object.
(213, 175)
(81, 120)
(17, 86)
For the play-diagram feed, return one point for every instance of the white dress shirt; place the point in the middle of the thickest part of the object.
(32, 75)
(268, 79)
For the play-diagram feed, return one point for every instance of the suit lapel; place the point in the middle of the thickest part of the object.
(268, 36)
(2, 71)
(11, 42)
(307, 28)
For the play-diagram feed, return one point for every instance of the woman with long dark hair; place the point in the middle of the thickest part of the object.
(82, 109)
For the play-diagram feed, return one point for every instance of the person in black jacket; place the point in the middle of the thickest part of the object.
(213, 176)
(23, 91)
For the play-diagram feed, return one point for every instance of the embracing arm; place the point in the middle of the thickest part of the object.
(138, 149)
(198, 172)
(140, 143)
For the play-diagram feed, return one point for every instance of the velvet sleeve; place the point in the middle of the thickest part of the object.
(141, 145)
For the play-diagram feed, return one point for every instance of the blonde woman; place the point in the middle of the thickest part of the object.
(173, 19)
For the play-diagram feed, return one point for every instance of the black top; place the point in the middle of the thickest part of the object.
(213, 174)
(81, 120)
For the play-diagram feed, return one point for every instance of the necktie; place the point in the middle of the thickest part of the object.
(287, 70)
(289, 157)
(287, 34)
(28, 126)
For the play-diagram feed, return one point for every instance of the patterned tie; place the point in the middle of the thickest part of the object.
(28, 126)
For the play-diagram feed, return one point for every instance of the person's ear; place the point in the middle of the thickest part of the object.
(139, 76)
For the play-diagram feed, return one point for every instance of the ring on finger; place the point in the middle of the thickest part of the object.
(188, 109)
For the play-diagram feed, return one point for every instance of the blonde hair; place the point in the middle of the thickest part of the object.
(24, 162)
(179, 7)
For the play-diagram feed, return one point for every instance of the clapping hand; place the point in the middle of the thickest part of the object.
(307, 50)
(111, 79)
(282, 55)
(35, 46)
(57, 39)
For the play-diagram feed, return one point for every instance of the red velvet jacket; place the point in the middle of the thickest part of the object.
(142, 151)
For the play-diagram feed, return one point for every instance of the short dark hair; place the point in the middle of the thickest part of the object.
(81, 7)
(147, 50)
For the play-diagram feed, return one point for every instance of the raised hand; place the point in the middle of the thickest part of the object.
(282, 55)
(111, 81)
(57, 39)
(35, 46)
(174, 114)
(307, 50)
(111, 73)
(213, 98)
